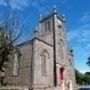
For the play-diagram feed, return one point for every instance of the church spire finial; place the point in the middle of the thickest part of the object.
(40, 17)
(63, 16)
(54, 9)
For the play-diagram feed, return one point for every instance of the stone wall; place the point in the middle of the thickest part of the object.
(39, 80)
(24, 74)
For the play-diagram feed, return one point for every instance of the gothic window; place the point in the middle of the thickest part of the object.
(70, 62)
(61, 49)
(44, 65)
(61, 28)
(16, 64)
(60, 32)
(47, 26)
(44, 62)
(15, 67)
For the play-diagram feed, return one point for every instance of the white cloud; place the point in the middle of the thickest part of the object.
(16, 4)
(79, 34)
(61, 1)
(85, 18)
(19, 4)
(3, 3)
(82, 32)
(39, 4)
(79, 38)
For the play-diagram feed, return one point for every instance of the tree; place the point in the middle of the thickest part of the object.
(10, 32)
(3, 48)
(79, 77)
(4, 51)
(88, 62)
(82, 78)
(87, 73)
(8, 38)
(86, 78)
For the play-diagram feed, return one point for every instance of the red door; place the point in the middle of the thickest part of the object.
(61, 73)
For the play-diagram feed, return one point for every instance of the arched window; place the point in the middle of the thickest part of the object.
(47, 26)
(15, 66)
(61, 49)
(70, 62)
(45, 56)
(16, 63)
(44, 65)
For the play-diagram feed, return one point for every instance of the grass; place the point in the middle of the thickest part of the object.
(10, 88)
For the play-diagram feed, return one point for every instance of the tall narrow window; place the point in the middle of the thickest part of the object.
(16, 65)
(61, 49)
(44, 62)
(47, 26)
(70, 62)
(44, 65)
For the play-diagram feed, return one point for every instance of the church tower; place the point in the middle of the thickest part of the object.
(51, 58)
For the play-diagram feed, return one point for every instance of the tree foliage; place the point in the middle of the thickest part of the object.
(10, 32)
(4, 48)
(78, 77)
(88, 62)
(82, 78)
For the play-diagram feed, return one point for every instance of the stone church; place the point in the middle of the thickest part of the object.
(45, 62)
